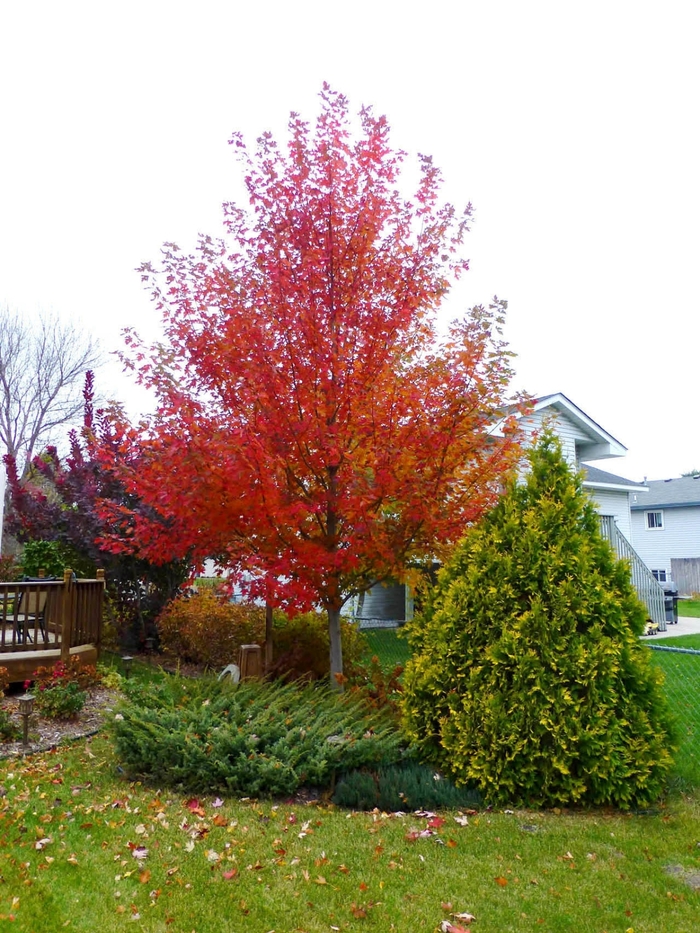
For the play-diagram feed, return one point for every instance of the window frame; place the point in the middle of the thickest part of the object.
(655, 527)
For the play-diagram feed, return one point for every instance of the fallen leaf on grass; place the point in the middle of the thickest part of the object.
(228, 875)
(145, 876)
(194, 806)
(466, 917)
(500, 880)
(436, 822)
(218, 802)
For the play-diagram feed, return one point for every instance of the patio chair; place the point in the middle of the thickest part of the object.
(29, 613)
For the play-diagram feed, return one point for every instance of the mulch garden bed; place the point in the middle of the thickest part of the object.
(45, 734)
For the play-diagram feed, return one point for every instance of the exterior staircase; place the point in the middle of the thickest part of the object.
(648, 588)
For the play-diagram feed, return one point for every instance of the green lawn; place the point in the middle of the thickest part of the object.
(680, 641)
(83, 849)
(689, 607)
(388, 645)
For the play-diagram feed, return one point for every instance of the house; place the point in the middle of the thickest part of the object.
(666, 530)
(582, 439)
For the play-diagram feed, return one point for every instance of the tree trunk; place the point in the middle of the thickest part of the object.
(336, 649)
(268, 637)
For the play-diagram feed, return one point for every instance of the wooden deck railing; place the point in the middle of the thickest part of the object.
(51, 614)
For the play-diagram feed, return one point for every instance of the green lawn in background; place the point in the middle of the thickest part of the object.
(680, 641)
(689, 608)
(82, 848)
(388, 645)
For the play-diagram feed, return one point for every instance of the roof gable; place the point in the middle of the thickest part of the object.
(594, 442)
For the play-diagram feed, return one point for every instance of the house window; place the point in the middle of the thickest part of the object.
(660, 575)
(654, 520)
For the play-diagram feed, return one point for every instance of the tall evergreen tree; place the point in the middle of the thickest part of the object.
(527, 675)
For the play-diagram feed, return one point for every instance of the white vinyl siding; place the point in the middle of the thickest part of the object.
(617, 504)
(569, 434)
(680, 536)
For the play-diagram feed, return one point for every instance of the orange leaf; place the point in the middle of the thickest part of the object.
(500, 880)
(145, 876)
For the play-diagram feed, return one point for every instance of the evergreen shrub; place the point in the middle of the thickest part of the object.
(527, 675)
(251, 739)
(407, 786)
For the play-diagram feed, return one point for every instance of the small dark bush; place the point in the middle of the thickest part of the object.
(60, 700)
(252, 739)
(408, 786)
(302, 647)
(9, 732)
(380, 685)
(10, 569)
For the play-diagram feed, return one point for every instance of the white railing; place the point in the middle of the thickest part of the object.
(647, 586)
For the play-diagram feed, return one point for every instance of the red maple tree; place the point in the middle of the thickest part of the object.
(314, 431)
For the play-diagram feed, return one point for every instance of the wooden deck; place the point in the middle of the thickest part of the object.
(68, 624)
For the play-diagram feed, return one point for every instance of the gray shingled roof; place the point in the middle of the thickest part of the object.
(669, 493)
(594, 475)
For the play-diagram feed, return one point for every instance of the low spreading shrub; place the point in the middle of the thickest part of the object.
(406, 786)
(208, 629)
(249, 739)
(4, 680)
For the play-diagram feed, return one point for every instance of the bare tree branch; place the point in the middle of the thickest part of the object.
(42, 365)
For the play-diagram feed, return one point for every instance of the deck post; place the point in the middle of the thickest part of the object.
(66, 615)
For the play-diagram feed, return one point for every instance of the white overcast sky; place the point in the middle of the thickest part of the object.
(572, 127)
